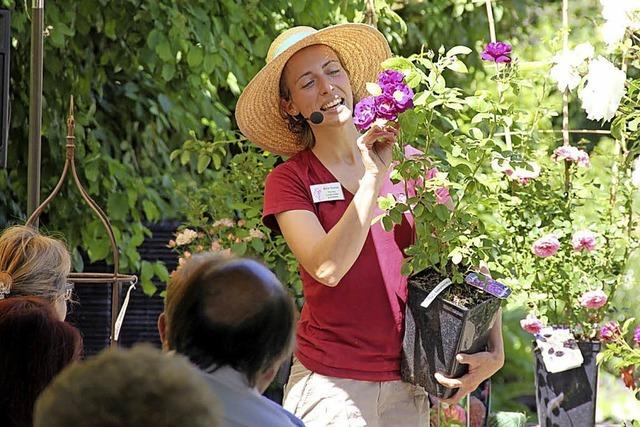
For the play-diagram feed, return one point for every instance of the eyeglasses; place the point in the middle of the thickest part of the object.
(67, 291)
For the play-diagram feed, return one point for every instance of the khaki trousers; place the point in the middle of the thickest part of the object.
(323, 401)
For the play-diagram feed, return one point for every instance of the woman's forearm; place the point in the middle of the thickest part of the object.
(336, 253)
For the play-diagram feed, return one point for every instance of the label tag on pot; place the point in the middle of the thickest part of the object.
(559, 349)
(435, 292)
(487, 284)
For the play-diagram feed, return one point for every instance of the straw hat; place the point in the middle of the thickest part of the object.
(360, 47)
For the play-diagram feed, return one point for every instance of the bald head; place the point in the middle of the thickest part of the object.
(224, 311)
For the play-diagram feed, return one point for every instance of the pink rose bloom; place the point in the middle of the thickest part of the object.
(455, 413)
(593, 299)
(431, 173)
(531, 324)
(584, 240)
(442, 196)
(546, 246)
(572, 154)
(583, 159)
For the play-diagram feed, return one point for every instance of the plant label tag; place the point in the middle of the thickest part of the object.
(559, 349)
(489, 285)
(435, 292)
(326, 192)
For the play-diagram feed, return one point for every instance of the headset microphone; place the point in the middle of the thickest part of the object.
(316, 117)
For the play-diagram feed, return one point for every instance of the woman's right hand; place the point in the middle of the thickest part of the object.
(376, 147)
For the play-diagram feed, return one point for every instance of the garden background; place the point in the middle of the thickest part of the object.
(155, 84)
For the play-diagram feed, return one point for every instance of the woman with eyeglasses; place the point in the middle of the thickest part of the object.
(35, 265)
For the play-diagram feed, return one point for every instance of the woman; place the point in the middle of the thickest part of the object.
(323, 200)
(34, 347)
(35, 265)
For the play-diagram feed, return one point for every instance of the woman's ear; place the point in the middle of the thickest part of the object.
(286, 105)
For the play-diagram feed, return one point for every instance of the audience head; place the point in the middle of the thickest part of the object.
(34, 347)
(223, 311)
(141, 387)
(34, 265)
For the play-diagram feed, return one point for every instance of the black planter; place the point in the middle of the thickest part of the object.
(436, 334)
(579, 387)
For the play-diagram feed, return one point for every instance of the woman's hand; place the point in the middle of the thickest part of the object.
(376, 146)
(481, 366)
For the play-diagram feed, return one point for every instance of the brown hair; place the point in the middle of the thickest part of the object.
(36, 346)
(139, 387)
(37, 265)
(296, 124)
(225, 311)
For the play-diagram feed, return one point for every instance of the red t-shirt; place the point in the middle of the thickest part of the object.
(355, 329)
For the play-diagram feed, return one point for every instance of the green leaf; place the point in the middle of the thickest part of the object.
(203, 162)
(421, 98)
(110, 29)
(239, 248)
(507, 419)
(476, 133)
(195, 56)
(387, 224)
(387, 202)
(163, 49)
(406, 269)
(458, 50)
(160, 270)
(397, 63)
(441, 212)
(168, 71)
(117, 206)
(232, 82)
(150, 210)
(458, 66)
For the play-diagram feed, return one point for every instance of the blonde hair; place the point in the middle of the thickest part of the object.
(37, 265)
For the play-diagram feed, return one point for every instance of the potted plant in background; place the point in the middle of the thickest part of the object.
(569, 234)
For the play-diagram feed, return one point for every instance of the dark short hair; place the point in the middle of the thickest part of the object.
(141, 387)
(229, 312)
(34, 347)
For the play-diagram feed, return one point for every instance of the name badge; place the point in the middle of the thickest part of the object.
(326, 192)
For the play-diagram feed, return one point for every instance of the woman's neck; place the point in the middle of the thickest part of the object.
(337, 144)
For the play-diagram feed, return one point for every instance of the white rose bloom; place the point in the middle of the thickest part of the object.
(619, 15)
(635, 175)
(565, 72)
(604, 89)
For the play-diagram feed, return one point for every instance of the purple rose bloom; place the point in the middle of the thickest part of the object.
(364, 113)
(497, 52)
(610, 331)
(636, 335)
(389, 79)
(386, 107)
(403, 97)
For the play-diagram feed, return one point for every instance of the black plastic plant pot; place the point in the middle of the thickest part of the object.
(436, 334)
(568, 398)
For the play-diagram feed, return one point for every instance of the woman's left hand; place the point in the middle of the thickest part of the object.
(481, 366)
